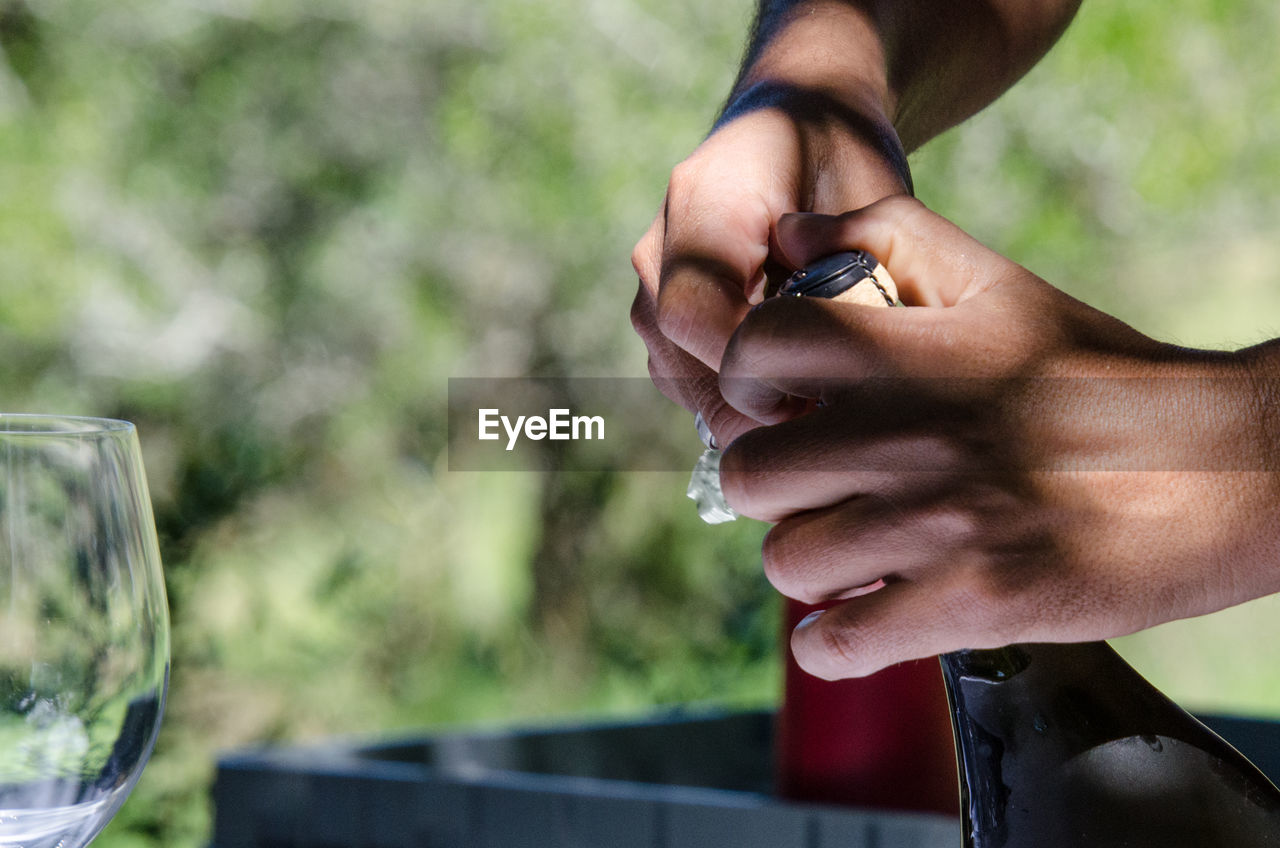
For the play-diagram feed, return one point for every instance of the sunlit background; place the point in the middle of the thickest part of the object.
(269, 232)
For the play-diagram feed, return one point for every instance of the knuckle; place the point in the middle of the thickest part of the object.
(655, 371)
(735, 477)
(733, 364)
(684, 177)
(842, 652)
(755, 338)
(701, 396)
(907, 206)
(642, 315)
(640, 257)
(778, 555)
(950, 524)
(839, 645)
(740, 481)
(644, 256)
(902, 218)
(671, 387)
(902, 209)
(718, 414)
(672, 315)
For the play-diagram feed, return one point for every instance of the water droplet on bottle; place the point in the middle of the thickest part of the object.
(1040, 723)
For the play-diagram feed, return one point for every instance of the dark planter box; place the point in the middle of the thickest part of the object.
(677, 780)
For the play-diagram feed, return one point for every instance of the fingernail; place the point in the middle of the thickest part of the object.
(792, 220)
(793, 231)
(810, 619)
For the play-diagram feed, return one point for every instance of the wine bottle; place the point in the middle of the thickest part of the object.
(1065, 746)
(882, 741)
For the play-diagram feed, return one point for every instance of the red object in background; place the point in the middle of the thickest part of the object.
(881, 741)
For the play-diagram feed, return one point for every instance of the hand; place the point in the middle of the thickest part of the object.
(999, 464)
(704, 260)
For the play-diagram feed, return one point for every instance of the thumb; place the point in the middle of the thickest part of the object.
(934, 262)
(804, 237)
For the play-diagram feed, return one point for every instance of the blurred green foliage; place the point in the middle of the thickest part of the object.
(269, 232)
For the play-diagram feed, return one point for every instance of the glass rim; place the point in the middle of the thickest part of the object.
(39, 424)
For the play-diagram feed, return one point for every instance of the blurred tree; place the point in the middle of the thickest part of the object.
(268, 233)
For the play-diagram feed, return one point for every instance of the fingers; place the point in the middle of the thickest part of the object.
(788, 349)
(933, 261)
(833, 553)
(700, 266)
(684, 379)
(901, 621)
(929, 469)
(932, 610)
(850, 450)
(646, 256)
(716, 229)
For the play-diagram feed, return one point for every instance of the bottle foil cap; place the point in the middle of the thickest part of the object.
(837, 277)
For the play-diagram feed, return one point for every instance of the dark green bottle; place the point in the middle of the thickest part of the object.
(1067, 746)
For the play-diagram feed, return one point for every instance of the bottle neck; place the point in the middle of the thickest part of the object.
(1069, 697)
(1056, 741)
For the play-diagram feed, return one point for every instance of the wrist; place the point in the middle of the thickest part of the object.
(820, 64)
(854, 153)
(1258, 489)
(827, 46)
(1261, 364)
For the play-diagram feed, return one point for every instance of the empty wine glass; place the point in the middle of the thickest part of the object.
(84, 627)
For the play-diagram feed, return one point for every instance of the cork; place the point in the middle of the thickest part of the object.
(853, 276)
(879, 289)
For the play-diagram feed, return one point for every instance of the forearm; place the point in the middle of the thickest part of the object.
(925, 65)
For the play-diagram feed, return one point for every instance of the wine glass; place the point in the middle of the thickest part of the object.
(84, 627)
